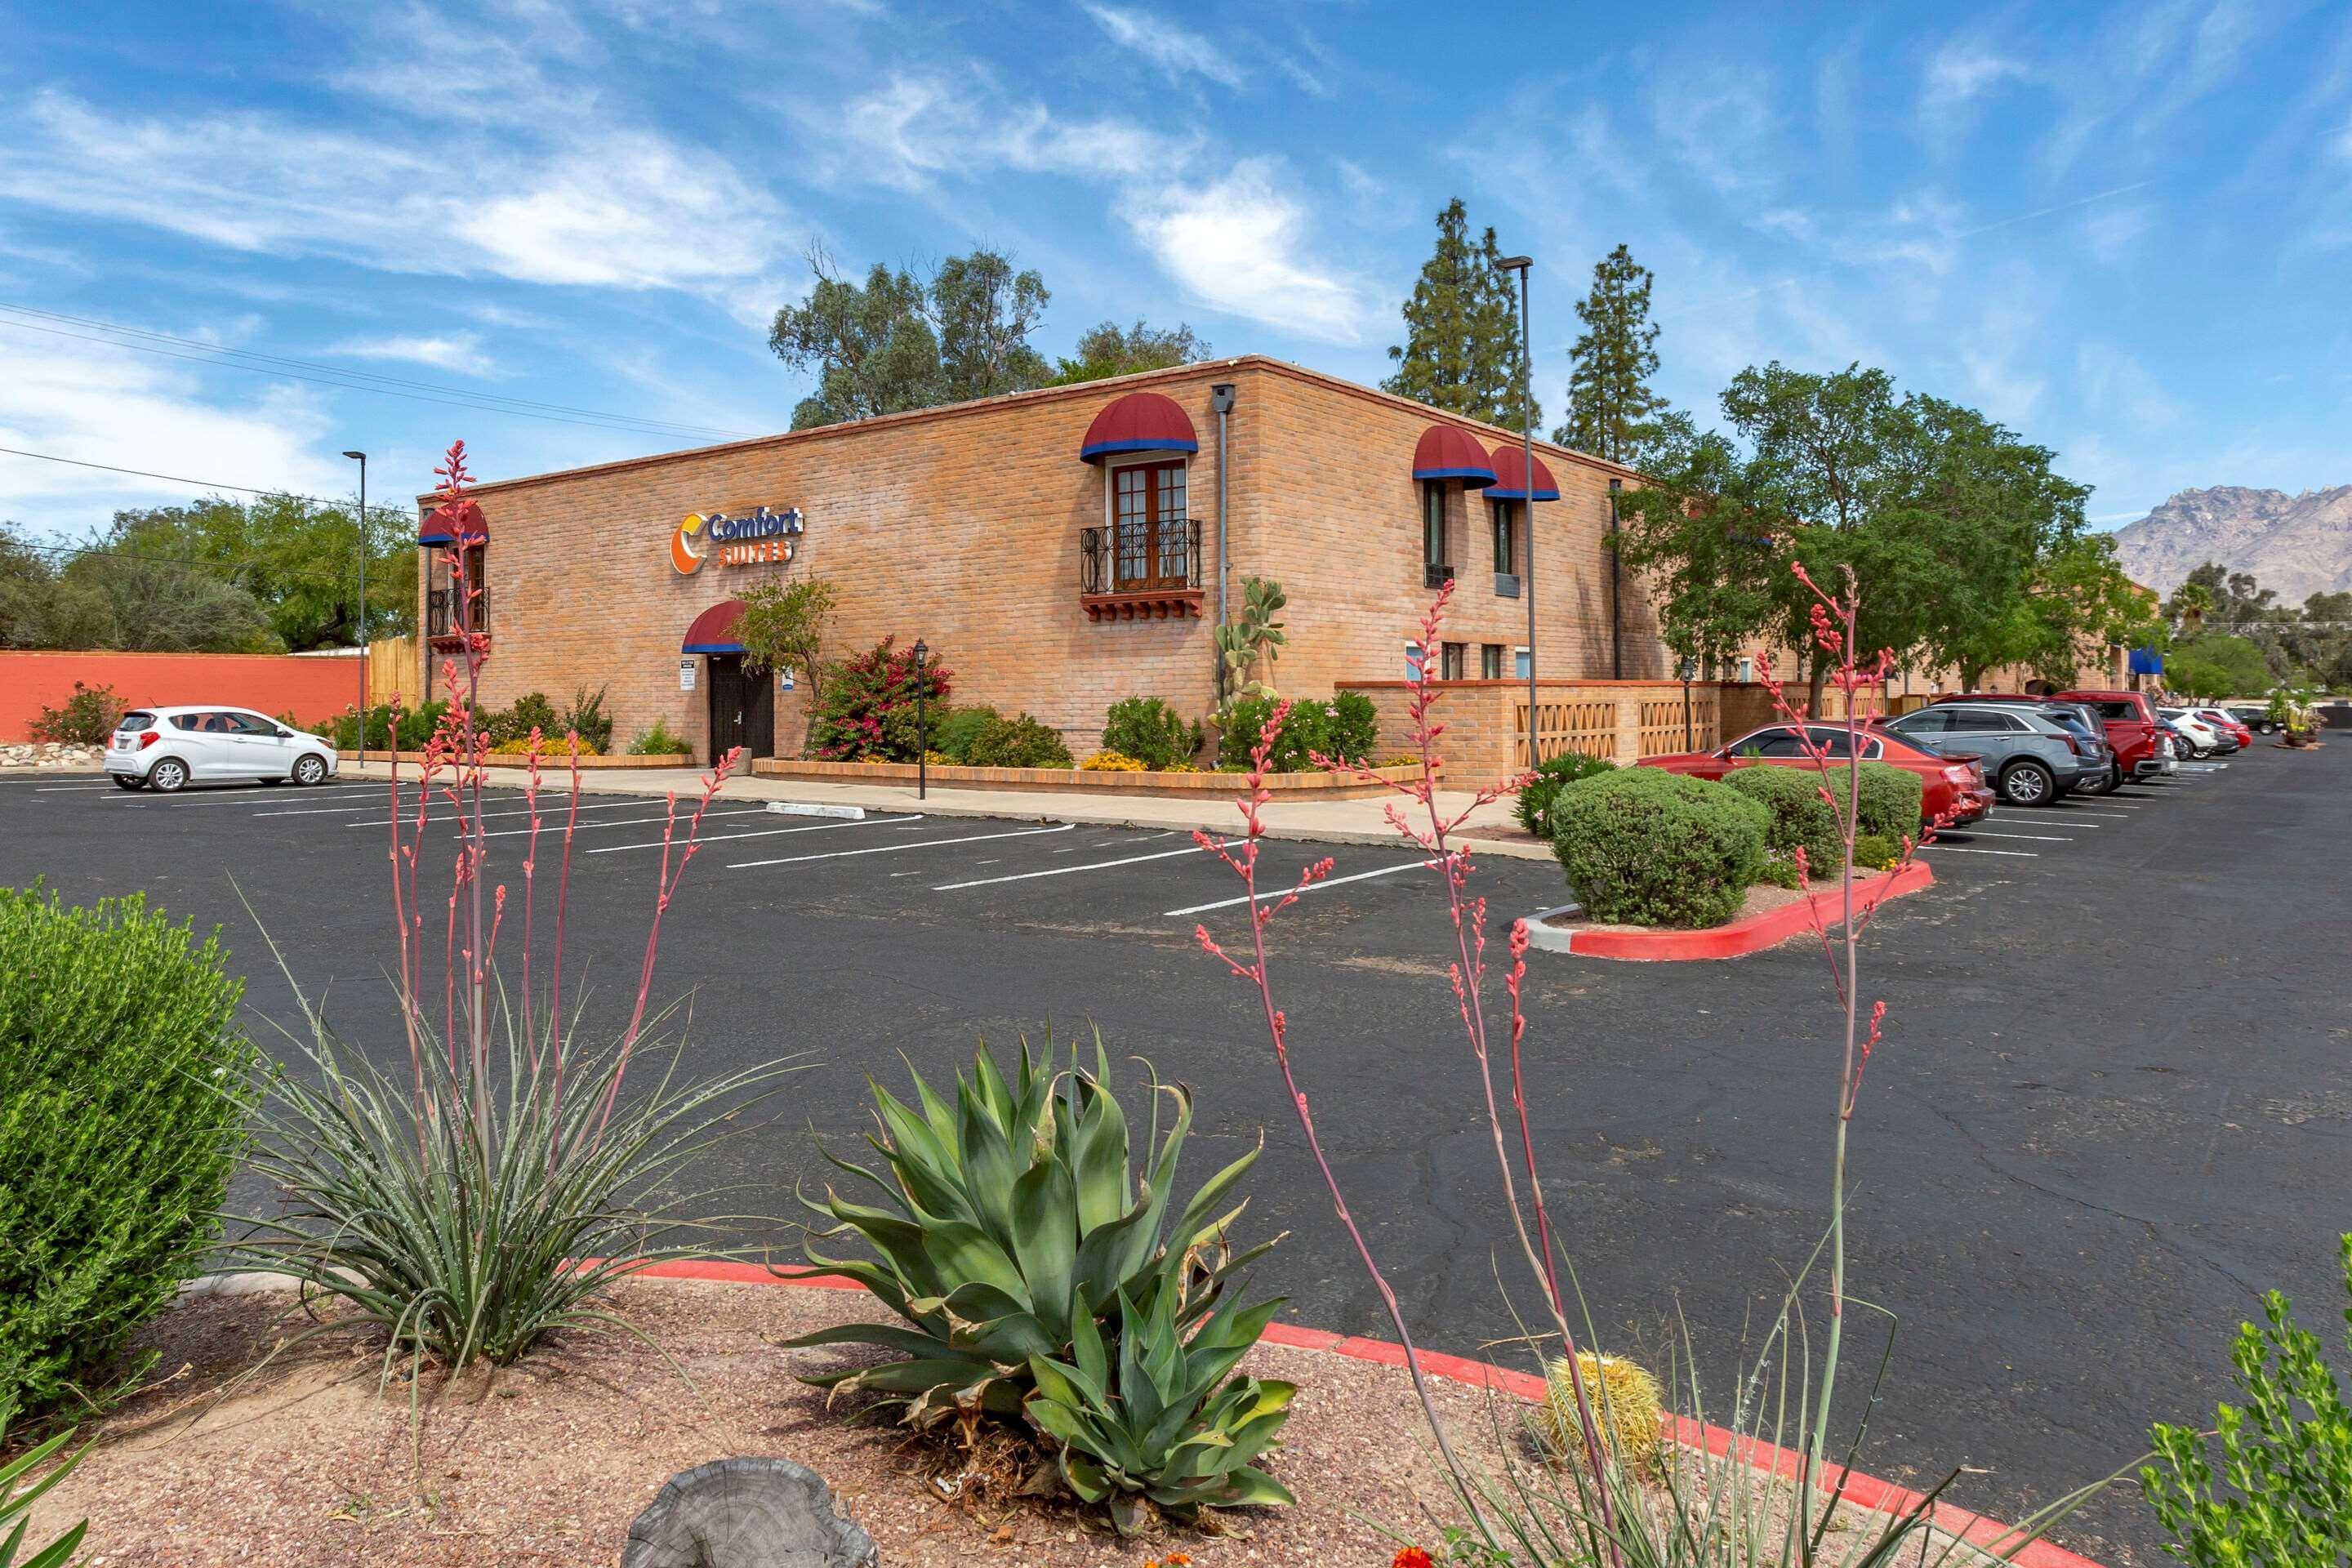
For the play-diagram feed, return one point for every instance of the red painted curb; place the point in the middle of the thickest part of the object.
(1865, 1491)
(1754, 934)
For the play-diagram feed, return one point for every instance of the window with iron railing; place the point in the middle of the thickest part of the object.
(1162, 556)
(441, 616)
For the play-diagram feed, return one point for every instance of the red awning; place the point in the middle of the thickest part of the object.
(1139, 422)
(714, 630)
(1508, 485)
(1450, 452)
(443, 526)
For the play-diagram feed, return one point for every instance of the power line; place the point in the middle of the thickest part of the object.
(175, 479)
(354, 379)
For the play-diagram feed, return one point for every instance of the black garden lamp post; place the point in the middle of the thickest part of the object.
(923, 736)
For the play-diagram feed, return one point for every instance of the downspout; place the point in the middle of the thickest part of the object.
(1616, 624)
(1221, 398)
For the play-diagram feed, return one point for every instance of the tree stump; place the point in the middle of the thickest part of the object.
(746, 1514)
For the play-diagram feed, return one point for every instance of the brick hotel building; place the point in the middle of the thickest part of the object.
(1059, 549)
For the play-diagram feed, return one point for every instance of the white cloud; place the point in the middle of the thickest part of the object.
(615, 208)
(98, 404)
(2113, 233)
(458, 350)
(1957, 75)
(2111, 381)
(1720, 121)
(1165, 45)
(2342, 145)
(923, 127)
(1238, 245)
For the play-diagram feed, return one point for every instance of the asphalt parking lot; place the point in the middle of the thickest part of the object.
(2111, 1106)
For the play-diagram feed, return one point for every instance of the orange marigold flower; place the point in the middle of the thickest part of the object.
(1411, 1557)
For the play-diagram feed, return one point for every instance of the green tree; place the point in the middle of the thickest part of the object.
(900, 342)
(784, 627)
(24, 585)
(1612, 411)
(2218, 665)
(1460, 351)
(166, 607)
(1109, 350)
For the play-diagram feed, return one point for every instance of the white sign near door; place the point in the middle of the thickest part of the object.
(685, 673)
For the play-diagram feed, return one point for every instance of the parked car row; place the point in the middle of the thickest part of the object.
(1972, 749)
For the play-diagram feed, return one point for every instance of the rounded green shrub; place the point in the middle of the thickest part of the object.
(122, 1115)
(1020, 742)
(1801, 819)
(953, 732)
(1889, 800)
(1305, 729)
(1149, 730)
(1353, 729)
(1644, 847)
(1553, 773)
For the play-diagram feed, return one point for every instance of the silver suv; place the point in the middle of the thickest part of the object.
(2031, 758)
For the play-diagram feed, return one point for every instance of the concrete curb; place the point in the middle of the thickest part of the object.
(1741, 937)
(1864, 1491)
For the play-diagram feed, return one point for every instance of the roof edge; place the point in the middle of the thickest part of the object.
(1138, 379)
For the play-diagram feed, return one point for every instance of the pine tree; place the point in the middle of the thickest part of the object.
(1612, 411)
(1460, 351)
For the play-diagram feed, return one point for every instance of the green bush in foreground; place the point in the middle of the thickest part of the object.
(1800, 819)
(657, 742)
(1020, 742)
(1644, 847)
(121, 1117)
(1553, 775)
(88, 718)
(2284, 1493)
(953, 732)
(1149, 730)
(1888, 801)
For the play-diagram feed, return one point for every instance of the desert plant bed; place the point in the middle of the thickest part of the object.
(549, 1460)
(1769, 916)
(1208, 787)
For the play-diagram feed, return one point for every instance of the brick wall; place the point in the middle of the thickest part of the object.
(313, 689)
(1485, 721)
(960, 526)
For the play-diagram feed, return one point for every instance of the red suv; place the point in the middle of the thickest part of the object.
(2131, 729)
(1953, 785)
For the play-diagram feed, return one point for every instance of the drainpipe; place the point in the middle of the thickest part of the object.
(1616, 634)
(1221, 398)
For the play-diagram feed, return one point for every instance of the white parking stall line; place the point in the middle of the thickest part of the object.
(235, 795)
(632, 822)
(762, 833)
(1073, 870)
(1310, 887)
(553, 816)
(1962, 849)
(2038, 837)
(2110, 815)
(407, 801)
(52, 789)
(895, 848)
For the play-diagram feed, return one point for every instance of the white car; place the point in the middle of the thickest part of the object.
(2203, 739)
(168, 749)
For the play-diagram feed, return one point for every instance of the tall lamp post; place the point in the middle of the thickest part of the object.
(361, 458)
(1520, 264)
(922, 737)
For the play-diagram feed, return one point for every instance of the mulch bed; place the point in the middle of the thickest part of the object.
(548, 1461)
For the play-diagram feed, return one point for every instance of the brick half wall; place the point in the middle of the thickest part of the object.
(310, 689)
(1485, 721)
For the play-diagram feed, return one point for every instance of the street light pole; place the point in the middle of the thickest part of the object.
(1521, 265)
(923, 736)
(361, 458)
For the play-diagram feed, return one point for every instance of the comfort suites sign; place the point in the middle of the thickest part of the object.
(746, 541)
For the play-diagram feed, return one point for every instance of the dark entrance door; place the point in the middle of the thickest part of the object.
(743, 709)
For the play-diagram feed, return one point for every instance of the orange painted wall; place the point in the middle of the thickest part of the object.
(310, 689)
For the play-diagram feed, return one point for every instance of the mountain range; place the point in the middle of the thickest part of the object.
(2299, 545)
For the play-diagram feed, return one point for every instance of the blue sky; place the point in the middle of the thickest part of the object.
(2124, 230)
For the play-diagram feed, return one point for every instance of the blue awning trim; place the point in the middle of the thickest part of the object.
(437, 538)
(1496, 492)
(1483, 475)
(1104, 448)
(2147, 661)
(714, 647)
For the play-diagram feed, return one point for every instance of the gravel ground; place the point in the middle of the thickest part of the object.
(548, 1462)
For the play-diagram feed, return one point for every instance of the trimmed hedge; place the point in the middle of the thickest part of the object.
(1889, 801)
(122, 1074)
(1347, 728)
(1644, 847)
(1020, 742)
(1553, 773)
(1801, 819)
(1151, 731)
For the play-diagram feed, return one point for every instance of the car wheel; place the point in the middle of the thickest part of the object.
(309, 770)
(168, 776)
(2028, 783)
(124, 780)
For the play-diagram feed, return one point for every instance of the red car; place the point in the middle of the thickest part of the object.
(1956, 785)
(2227, 724)
(2132, 729)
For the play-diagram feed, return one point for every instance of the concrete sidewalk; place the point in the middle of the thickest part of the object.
(1491, 828)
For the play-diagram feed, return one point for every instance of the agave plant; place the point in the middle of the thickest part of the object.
(1155, 1432)
(18, 1494)
(1011, 1218)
